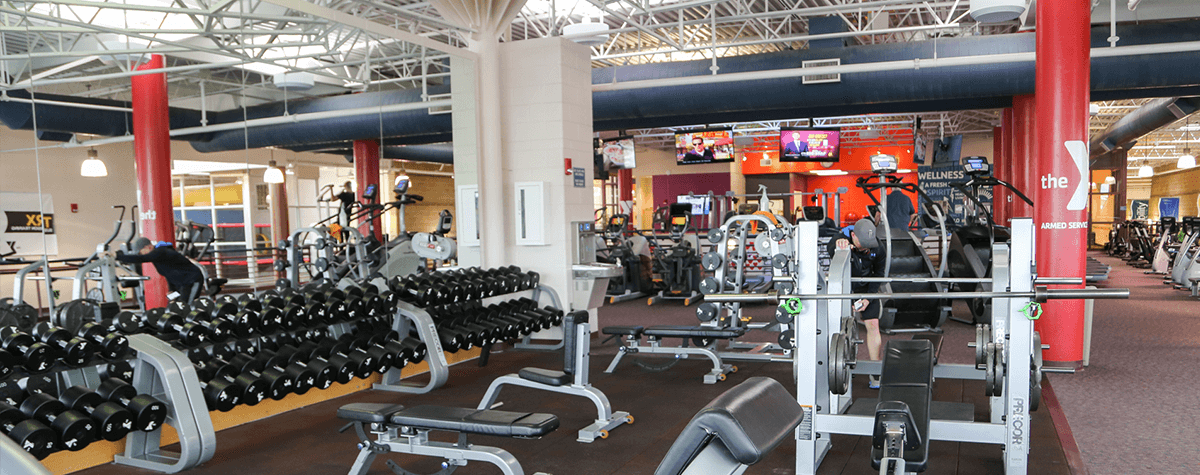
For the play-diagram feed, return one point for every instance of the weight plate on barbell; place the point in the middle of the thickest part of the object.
(778, 234)
(707, 311)
(73, 314)
(785, 340)
(715, 235)
(782, 315)
(711, 261)
(779, 261)
(981, 339)
(784, 287)
(710, 286)
(989, 373)
(839, 364)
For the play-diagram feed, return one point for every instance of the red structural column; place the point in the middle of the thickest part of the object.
(152, 151)
(1061, 190)
(1021, 164)
(366, 173)
(625, 192)
(280, 227)
(1006, 170)
(999, 193)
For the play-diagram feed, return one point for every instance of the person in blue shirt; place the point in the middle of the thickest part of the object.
(901, 213)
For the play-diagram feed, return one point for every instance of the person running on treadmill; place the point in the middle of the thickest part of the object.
(866, 260)
(183, 276)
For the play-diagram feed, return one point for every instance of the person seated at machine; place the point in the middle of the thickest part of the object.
(866, 260)
(183, 277)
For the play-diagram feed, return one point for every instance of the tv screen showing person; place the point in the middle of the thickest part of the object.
(703, 146)
(809, 145)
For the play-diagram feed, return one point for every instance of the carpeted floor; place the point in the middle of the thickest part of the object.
(1134, 409)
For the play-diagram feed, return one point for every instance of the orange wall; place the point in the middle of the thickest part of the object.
(852, 159)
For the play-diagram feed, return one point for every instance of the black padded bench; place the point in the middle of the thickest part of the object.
(401, 430)
(901, 434)
(703, 337)
(737, 429)
(572, 380)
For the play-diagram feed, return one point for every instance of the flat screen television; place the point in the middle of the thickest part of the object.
(618, 153)
(809, 145)
(703, 146)
(947, 150)
(701, 205)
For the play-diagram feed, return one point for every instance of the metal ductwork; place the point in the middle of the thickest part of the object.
(434, 153)
(56, 114)
(416, 126)
(1148, 118)
(898, 91)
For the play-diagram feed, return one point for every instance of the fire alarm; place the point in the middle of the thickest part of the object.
(74, 207)
(568, 163)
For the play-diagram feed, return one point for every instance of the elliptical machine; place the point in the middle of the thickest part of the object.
(970, 252)
(620, 252)
(1161, 264)
(678, 263)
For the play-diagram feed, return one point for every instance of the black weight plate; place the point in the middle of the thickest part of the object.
(710, 286)
(779, 261)
(707, 311)
(26, 316)
(72, 315)
(711, 261)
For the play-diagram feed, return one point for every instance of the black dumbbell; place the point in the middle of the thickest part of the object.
(109, 344)
(72, 350)
(121, 370)
(169, 323)
(148, 413)
(31, 435)
(342, 370)
(75, 430)
(251, 368)
(325, 372)
(127, 322)
(222, 394)
(113, 422)
(303, 378)
(218, 371)
(32, 354)
(361, 363)
(8, 363)
(382, 357)
(217, 327)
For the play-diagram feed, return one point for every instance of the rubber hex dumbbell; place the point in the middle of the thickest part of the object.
(303, 378)
(148, 413)
(35, 356)
(342, 370)
(8, 364)
(75, 430)
(31, 435)
(113, 422)
(108, 343)
(72, 350)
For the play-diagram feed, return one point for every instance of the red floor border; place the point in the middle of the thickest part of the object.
(1065, 436)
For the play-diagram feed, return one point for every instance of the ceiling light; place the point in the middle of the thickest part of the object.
(828, 172)
(1187, 160)
(1146, 171)
(587, 33)
(93, 167)
(1109, 180)
(273, 174)
(294, 81)
(994, 11)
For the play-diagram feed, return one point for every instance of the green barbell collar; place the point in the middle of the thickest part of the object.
(793, 306)
(1032, 310)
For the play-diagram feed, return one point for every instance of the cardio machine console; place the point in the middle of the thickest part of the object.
(616, 226)
(976, 165)
(402, 185)
(883, 163)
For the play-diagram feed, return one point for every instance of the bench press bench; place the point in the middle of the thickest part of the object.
(572, 380)
(735, 430)
(406, 431)
(704, 338)
(900, 440)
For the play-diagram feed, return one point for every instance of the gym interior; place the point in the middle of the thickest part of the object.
(597, 237)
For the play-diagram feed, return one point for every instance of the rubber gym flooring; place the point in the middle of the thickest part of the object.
(306, 441)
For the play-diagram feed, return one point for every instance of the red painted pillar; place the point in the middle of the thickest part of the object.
(280, 228)
(152, 152)
(1006, 171)
(1024, 135)
(625, 193)
(1061, 169)
(366, 173)
(999, 193)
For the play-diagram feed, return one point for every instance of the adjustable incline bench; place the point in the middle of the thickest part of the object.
(736, 430)
(572, 380)
(900, 441)
(705, 339)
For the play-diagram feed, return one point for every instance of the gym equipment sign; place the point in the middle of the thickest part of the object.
(23, 220)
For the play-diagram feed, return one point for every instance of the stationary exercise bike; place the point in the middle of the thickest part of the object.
(629, 285)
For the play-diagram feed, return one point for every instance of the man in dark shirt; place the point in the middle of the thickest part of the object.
(182, 275)
(866, 260)
(698, 152)
(900, 210)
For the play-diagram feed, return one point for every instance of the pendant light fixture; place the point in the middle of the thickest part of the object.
(93, 167)
(273, 175)
(1187, 160)
(1145, 171)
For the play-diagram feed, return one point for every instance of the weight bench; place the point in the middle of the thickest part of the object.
(572, 380)
(704, 337)
(736, 430)
(900, 440)
(406, 431)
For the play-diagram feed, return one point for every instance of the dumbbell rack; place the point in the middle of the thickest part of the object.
(167, 374)
(409, 317)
